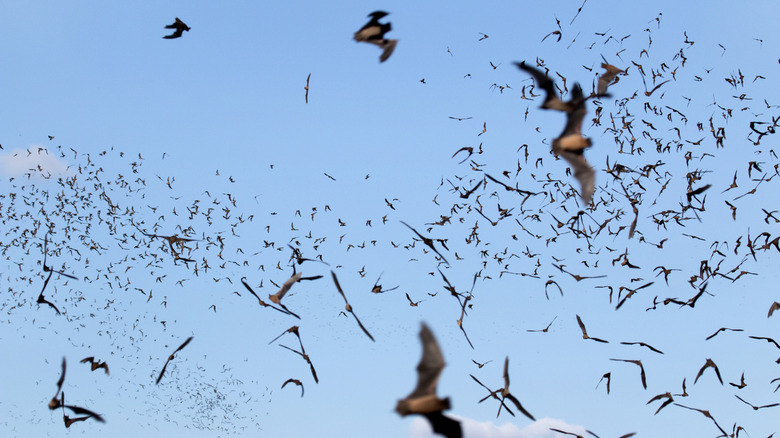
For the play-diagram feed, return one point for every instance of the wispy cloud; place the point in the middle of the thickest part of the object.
(420, 428)
(37, 161)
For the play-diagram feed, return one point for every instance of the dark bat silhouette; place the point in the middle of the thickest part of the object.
(772, 308)
(427, 241)
(377, 289)
(307, 88)
(585, 332)
(55, 402)
(180, 28)
(708, 364)
(642, 344)
(546, 329)
(306, 358)
(641, 369)
(607, 78)
(764, 338)
(47, 268)
(423, 399)
(707, 414)
(293, 329)
(95, 364)
(755, 408)
(607, 376)
(494, 394)
(721, 330)
(170, 358)
(69, 421)
(78, 411)
(42, 300)
(295, 381)
(374, 32)
(505, 394)
(570, 144)
(667, 396)
(349, 307)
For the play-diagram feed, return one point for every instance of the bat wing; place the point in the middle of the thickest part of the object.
(520, 407)
(388, 46)
(444, 425)
(582, 326)
(81, 411)
(431, 365)
(183, 345)
(162, 372)
(583, 172)
(551, 100)
(361, 326)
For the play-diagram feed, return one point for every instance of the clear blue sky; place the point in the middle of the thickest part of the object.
(217, 119)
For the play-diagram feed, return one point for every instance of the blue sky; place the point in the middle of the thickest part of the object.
(156, 127)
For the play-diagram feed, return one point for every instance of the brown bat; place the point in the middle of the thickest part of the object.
(95, 364)
(707, 414)
(607, 376)
(348, 307)
(69, 421)
(55, 402)
(755, 408)
(772, 308)
(377, 288)
(722, 329)
(493, 394)
(170, 358)
(546, 329)
(585, 332)
(709, 363)
(570, 144)
(608, 78)
(764, 338)
(741, 383)
(295, 381)
(179, 27)
(480, 365)
(641, 369)
(423, 399)
(172, 240)
(263, 303)
(649, 93)
(667, 396)
(374, 32)
(307, 88)
(642, 344)
(78, 410)
(306, 358)
(286, 286)
(427, 241)
(505, 394)
(294, 330)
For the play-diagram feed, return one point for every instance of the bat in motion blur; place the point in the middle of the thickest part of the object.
(423, 400)
(170, 358)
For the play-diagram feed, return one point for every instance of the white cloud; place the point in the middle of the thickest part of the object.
(420, 428)
(38, 161)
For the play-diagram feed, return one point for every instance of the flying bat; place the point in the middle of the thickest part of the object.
(374, 32)
(179, 27)
(423, 399)
(95, 364)
(170, 358)
(349, 307)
